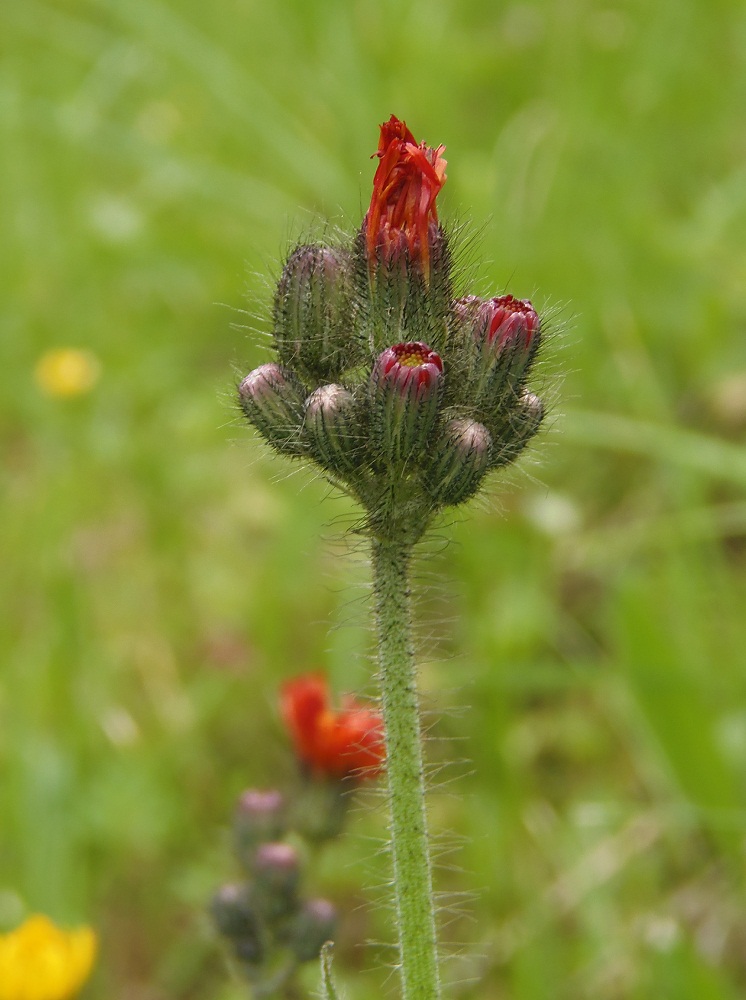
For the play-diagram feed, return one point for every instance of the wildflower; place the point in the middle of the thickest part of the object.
(402, 218)
(405, 389)
(66, 372)
(39, 961)
(332, 742)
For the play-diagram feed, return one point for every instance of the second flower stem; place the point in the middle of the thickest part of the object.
(413, 884)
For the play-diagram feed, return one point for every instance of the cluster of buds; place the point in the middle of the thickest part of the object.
(271, 926)
(404, 395)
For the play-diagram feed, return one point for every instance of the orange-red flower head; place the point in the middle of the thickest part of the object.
(402, 218)
(333, 742)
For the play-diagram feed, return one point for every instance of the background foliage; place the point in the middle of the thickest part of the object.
(583, 633)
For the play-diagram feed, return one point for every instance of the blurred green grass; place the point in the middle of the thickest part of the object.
(583, 633)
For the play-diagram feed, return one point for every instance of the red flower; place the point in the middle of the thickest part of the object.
(402, 209)
(333, 742)
(410, 367)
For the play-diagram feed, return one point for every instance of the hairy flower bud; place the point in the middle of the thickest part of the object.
(236, 918)
(260, 816)
(499, 338)
(332, 430)
(506, 320)
(405, 385)
(277, 873)
(402, 221)
(460, 462)
(313, 327)
(312, 927)
(272, 400)
(525, 420)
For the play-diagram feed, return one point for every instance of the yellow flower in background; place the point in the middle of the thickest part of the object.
(39, 961)
(66, 372)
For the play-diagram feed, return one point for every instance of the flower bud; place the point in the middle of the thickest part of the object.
(466, 312)
(276, 877)
(524, 421)
(461, 461)
(332, 430)
(401, 225)
(405, 391)
(312, 927)
(272, 400)
(236, 918)
(259, 817)
(505, 334)
(312, 313)
(506, 320)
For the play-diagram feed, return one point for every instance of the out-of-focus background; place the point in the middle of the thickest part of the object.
(584, 635)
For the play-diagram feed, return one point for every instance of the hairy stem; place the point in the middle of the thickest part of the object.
(413, 884)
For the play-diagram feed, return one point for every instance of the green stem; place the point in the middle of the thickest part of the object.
(413, 884)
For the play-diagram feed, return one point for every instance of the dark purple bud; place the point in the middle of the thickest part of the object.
(236, 918)
(312, 927)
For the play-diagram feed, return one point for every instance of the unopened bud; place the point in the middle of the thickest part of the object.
(272, 400)
(525, 420)
(405, 386)
(236, 918)
(529, 413)
(461, 461)
(276, 876)
(505, 334)
(505, 320)
(465, 315)
(332, 429)
(312, 315)
(259, 816)
(312, 927)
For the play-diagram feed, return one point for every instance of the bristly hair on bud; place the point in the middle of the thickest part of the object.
(272, 398)
(314, 311)
(333, 430)
(496, 341)
(460, 462)
(405, 390)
